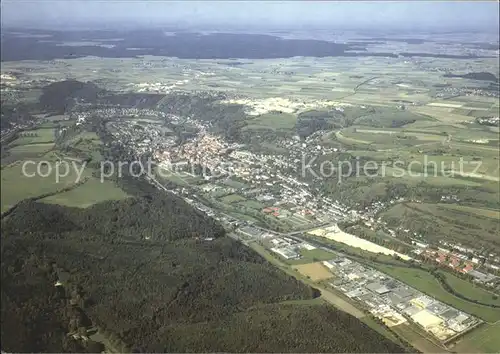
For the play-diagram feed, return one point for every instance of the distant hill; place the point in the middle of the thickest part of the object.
(482, 76)
(142, 272)
(59, 97)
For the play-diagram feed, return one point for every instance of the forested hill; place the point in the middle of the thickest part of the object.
(143, 273)
(59, 97)
(155, 218)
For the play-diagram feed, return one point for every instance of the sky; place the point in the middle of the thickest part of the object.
(272, 14)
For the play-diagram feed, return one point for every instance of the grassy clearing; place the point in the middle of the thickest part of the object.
(349, 140)
(389, 117)
(440, 113)
(88, 194)
(243, 217)
(87, 142)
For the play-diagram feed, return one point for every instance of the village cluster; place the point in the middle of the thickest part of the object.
(267, 185)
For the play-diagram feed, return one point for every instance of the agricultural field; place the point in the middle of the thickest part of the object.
(314, 271)
(489, 213)
(472, 226)
(34, 170)
(35, 136)
(17, 186)
(28, 144)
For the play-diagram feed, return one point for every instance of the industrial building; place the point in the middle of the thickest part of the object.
(395, 302)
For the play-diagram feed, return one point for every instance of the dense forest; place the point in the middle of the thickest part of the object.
(60, 97)
(226, 120)
(153, 274)
(188, 45)
(481, 76)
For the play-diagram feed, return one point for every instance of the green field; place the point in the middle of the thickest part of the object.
(31, 150)
(311, 256)
(471, 291)
(232, 198)
(485, 339)
(34, 136)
